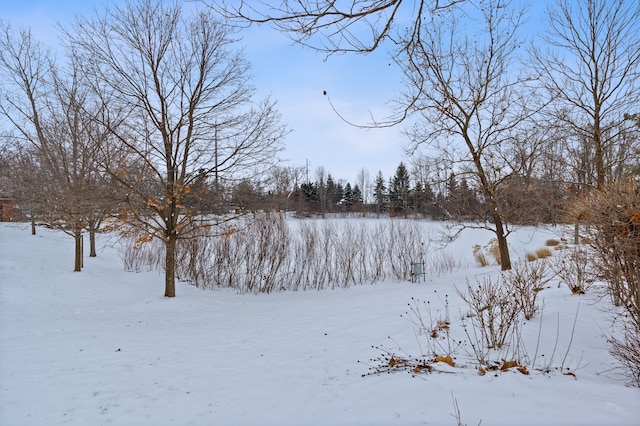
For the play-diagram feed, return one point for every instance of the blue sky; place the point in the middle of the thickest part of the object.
(296, 77)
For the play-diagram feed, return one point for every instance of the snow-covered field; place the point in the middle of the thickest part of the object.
(104, 347)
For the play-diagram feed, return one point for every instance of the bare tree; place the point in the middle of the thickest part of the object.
(590, 68)
(46, 106)
(471, 100)
(363, 180)
(24, 66)
(189, 111)
(459, 88)
(282, 182)
(24, 181)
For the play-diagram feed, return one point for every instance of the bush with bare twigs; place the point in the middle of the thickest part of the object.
(612, 230)
(265, 253)
(488, 337)
(492, 310)
(626, 349)
(432, 327)
(526, 280)
(575, 269)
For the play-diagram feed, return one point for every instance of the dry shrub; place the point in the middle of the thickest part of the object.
(494, 250)
(612, 216)
(434, 325)
(265, 253)
(626, 349)
(138, 251)
(574, 268)
(612, 229)
(552, 242)
(530, 257)
(527, 279)
(543, 253)
(479, 255)
(493, 311)
(482, 254)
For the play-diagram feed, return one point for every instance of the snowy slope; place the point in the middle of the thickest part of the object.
(104, 347)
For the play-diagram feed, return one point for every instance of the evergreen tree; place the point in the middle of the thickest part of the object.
(423, 198)
(347, 196)
(461, 200)
(334, 193)
(380, 192)
(399, 191)
(357, 194)
(310, 191)
(417, 198)
(338, 194)
(322, 191)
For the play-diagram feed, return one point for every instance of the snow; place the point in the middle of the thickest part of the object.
(104, 347)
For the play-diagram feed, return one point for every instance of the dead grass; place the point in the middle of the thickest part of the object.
(543, 253)
(479, 255)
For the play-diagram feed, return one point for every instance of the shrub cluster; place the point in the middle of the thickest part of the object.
(612, 231)
(269, 253)
(492, 326)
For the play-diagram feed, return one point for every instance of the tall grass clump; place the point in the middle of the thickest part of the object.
(482, 254)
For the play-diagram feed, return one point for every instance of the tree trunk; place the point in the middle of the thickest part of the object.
(597, 139)
(92, 242)
(503, 247)
(505, 258)
(170, 267)
(78, 260)
(33, 226)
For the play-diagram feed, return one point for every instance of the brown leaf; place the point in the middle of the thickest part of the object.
(508, 364)
(446, 359)
(395, 361)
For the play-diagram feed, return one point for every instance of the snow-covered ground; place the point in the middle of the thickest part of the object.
(104, 347)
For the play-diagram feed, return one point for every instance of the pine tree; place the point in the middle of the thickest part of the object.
(338, 194)
(347, 196)
(417, 198)
(334, 193)
(399, 191)
(380, 193)
(461, 200)
(422, 197)
(357, 194)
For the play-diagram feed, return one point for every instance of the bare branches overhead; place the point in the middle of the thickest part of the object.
(589, 68)
(337, 27)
